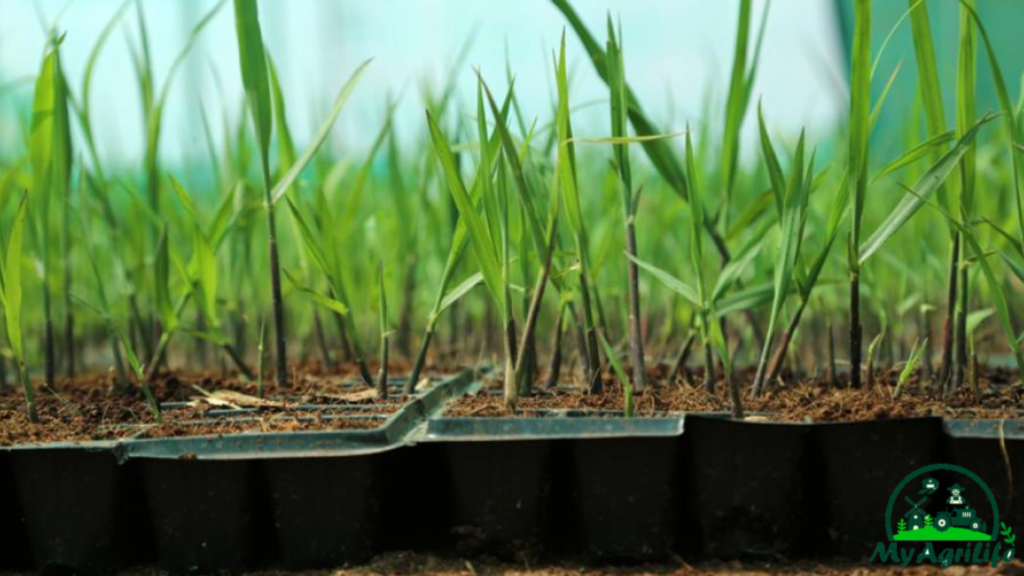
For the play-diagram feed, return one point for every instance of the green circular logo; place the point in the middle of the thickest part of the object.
(944, 521)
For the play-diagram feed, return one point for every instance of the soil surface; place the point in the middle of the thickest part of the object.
(417, 563)
(790, 399)
(93, 408)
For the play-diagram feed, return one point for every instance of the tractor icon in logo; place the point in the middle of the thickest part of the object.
(963, 517)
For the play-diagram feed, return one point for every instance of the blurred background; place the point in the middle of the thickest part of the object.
(677, 53)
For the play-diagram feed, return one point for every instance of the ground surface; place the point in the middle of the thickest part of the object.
(790, 399)
(91, 407)
(414, 563)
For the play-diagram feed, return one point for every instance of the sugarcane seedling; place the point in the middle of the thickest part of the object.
(153, 106)
(979, 257)
(566, 168)
(443, 298)
(664, 159)
(791, 202)
(870, 362)
(253, 66)
(555, 364)
(336, 299)
(930, 93)
(630, 199)
(50, 158)
(102, 309)
(261, 359)
(917, 354)
(679, 368)
(620, 373)
(974, 374)
(113, 334)
(4, 384)
(860, 106)
(12, 290)
(966, 115)
(382, 376)
(521, 375)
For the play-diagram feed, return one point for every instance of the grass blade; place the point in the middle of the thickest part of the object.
(924, 188)
(300, 164)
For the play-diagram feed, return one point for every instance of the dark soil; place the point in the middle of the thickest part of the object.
(92, 408)
(418, 563)
(791, 399)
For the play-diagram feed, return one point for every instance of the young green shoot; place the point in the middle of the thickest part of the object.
(12, 290)
(382, 377)
(630, 199)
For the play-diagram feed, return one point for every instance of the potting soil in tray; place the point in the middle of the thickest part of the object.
(796, 400)
(91, 409)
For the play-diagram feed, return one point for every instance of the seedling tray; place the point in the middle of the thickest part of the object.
(210, 501)
(562, 483)
(590, 482)
(993, 449)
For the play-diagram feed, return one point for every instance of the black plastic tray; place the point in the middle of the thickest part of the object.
(561, 483)
(207, 502)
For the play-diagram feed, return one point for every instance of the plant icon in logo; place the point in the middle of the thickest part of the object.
(960, 510)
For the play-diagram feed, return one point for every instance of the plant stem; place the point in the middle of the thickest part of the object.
(50, 372)
(960, 362)
(490, 328)
(157, 359)
(382, 374)
(325, 350)
(684, 355)
(275, 282)
(142, 334)
(69, 328)
(237, 359)
(709, 368)
(30, 397)
(590, 338)
(3, 372)
(511, 387)
(926, 359)
(833, 374)
(946, 367)
(762, 367)
(345, 343)
(855, 331)
(158, 356)
(122, 375)
(404, 340)
(528, 375)
(778, 359)
(421, 357)
(261, 359)
(201, 345)
(555, 367)
(382, 380)
(870, 368)
(975, 387)
(636, 343)
(528, 344)
(734, 394)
